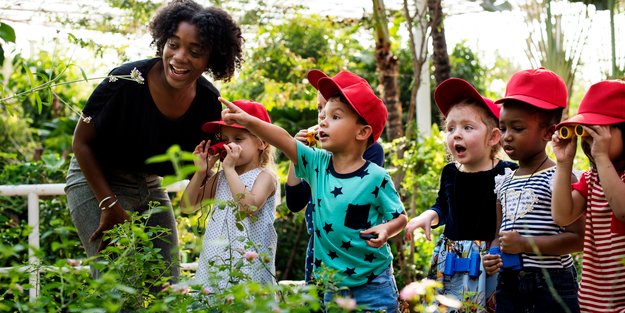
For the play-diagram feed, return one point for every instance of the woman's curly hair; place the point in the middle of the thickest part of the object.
(220, 35)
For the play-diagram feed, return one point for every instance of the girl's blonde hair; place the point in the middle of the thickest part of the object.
(487, 117)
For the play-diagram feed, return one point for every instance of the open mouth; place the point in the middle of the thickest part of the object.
(508, 149)
(178, 71)
(460, 148)
(322, 135)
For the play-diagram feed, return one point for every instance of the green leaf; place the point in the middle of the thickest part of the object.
(158, 159)
(168, 180)
(7, 33)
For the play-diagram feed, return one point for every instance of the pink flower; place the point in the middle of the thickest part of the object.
(415, 289)
(449, 302)
(250, 255)
(206, 291)
(346, 303)
(73, 262)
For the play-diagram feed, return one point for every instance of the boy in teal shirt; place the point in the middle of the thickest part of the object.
(353, 198)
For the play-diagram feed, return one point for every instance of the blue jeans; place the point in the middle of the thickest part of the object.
(379, 294)
(134, 192)
(526, 291)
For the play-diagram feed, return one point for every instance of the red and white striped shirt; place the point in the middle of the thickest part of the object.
(602, 288)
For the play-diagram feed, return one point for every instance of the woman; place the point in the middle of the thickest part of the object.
(124, 122)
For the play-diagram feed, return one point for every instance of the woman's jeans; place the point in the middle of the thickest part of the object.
(379, 294)
(527, 291)
(134, 192)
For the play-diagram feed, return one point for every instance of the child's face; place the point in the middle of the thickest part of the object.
(522, 135)
(339, 126)
(468, 138)
(250, 145)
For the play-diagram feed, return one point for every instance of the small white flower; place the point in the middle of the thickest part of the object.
(113, 79)
(73, 262)
(136, 76)
(86, 119)
(346, 303)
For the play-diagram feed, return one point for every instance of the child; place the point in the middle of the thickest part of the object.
(532, 107)
(599, 195)
(246, 171)
(298, 191)
(465, 202)
(352, 197)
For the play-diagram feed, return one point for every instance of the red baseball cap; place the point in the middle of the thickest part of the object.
(358, 93)
(453, 90)
(250, 106)
(603, 104)
(540, 87)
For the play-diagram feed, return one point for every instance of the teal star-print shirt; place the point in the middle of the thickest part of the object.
(343, 206)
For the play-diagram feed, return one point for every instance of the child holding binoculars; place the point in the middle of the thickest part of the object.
(466, 204)
(599, 196)
(531, 251)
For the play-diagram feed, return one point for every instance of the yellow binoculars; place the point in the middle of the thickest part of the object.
(566, 131)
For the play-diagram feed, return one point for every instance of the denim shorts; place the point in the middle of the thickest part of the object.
(379, 294)
(527, 291)
(134, 192)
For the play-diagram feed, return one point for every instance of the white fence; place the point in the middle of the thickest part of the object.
(33, 192)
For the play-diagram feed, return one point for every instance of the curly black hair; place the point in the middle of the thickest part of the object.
(219, 33)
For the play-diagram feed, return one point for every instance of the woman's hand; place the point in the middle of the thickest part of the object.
(492, 263)
(204, 161)
(233, 152)
(108, 219)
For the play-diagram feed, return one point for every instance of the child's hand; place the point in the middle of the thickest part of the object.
(492, 263)
(301, 136)
(512, 242)
(232, 114)
(233, 152)
(203, 161)
(379, 230)
(418, 222)
(600, 142)
(564, 149)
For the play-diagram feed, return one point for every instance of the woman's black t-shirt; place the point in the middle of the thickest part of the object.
(466, 202)
(130, 128)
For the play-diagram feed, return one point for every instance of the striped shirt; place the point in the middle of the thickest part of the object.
(602, 288)
(526, 207)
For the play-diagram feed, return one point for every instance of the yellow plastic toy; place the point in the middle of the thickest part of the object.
(567, 131)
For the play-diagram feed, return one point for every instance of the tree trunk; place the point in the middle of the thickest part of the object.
(388, 71)
(440, 58)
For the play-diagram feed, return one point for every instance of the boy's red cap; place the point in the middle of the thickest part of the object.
(250, 106)
(603, 104)
(453, 90)
(357, 92)
(540, 87)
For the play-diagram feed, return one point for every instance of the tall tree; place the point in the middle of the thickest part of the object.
(440, 57)
(388, 71)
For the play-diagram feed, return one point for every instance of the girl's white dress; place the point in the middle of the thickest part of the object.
(224, 245)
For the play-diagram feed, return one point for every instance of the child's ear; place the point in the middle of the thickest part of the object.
(495, 137)
(364, 133)
(548, 132)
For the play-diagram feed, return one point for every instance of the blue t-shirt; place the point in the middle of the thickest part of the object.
(343, 206)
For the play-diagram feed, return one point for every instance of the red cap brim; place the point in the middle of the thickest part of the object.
(531, 101)
(592, 119)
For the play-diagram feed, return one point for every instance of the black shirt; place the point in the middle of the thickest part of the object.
(466, 202)
(130, 128)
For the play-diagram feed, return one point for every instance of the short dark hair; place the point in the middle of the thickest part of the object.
(219, 33)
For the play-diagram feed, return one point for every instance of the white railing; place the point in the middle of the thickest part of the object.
(33, 192)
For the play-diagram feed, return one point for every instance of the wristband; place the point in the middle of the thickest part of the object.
(109, 206)
(103, 200)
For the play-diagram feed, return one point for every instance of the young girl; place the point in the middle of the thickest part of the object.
(599, 195)
(465, 202)
(246, 178)
(536, 249)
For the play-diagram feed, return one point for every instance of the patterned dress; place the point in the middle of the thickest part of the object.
(224, 245)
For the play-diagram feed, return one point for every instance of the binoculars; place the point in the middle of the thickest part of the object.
(510, 261)
(566, 131)
(454, 264)
(218, 149)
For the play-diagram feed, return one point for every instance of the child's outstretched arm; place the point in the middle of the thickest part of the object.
(272, 134)
(425, 221)
(204, 163)
(613, 187)
(567, 205)
(386, 230)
